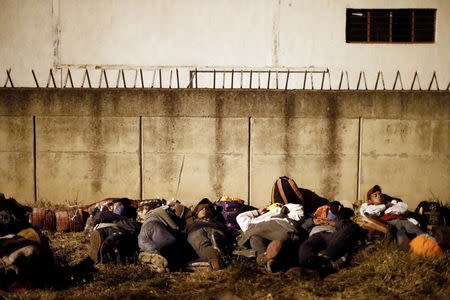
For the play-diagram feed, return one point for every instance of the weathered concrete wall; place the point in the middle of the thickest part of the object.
(193, 143)
(16, 156)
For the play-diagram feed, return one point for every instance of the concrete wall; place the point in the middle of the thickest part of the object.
(188, 34)
(88, 144)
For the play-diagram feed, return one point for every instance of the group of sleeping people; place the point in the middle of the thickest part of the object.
(279, 236)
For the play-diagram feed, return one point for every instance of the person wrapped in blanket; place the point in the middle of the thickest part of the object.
(208, 234)
(162, 239)
(332, 237)
(24, 251)
(115, 231)
(272, 231)
(393, 211)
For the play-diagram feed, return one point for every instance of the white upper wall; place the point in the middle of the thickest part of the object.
(259, 34)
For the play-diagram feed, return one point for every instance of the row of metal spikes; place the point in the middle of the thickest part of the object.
(194, 78)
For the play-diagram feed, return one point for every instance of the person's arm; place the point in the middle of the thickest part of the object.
(372, 209)
(245, 219)
(296, 212)
(323, 222)
(397, 208)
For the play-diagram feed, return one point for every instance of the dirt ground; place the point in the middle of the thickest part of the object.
(379, 271)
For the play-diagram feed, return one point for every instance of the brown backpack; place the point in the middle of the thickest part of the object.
(285, 191)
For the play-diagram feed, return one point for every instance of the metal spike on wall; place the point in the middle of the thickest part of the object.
(287, 80)
(433, 78)
(142, 78)
(380, 75)
(414, 81)
(342, 77)
(153, 79)
(68, 77)
(304, 79)
(123, 78)
(398, 76)
(103, 74)
(35, 79)
(86, 76)
(329, 79)
(8, 78)
(52, 78)
(362, 75)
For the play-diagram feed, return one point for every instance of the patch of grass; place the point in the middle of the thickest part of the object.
(381, 271)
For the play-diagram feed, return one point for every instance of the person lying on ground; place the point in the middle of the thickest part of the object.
(13, 216)
(271, 232)
(161, 239)
(208, 234)
(114, 235)
(332, 237)
(25, 256)
(393, 211)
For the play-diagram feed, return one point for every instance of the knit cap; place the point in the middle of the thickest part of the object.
(376, 188)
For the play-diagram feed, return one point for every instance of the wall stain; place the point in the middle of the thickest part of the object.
(436, 138)
(331, 178)
(168, 162)
(289, 137)
(96, 138)
(216, 168)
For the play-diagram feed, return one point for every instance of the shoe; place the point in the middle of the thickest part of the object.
(339, 263)
(94, 246)
(262, 260)
(273, 266)
(323, 255)
(215, 241)
(157, 263)
(250, 253)
(215, 264)
(108, 251)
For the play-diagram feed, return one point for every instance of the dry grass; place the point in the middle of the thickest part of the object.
(377, 272)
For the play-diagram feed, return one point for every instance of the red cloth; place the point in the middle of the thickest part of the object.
(392, 216)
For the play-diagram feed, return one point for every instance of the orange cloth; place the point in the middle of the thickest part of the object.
(322, 212)
(425, 245)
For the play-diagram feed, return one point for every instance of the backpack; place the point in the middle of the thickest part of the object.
(230, 209)
(285, 190)
(430, 214)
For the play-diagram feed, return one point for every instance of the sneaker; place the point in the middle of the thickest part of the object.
(262, 260)
(273, 266)
(250, 253)
(94, 246)
(339, 263)
(157, 263)
(323, 255)
(108, 251)
(215, 264)
(215, 241)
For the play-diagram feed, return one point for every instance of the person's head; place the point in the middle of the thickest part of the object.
(278, 206)
(375, 196)
(204, 211)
